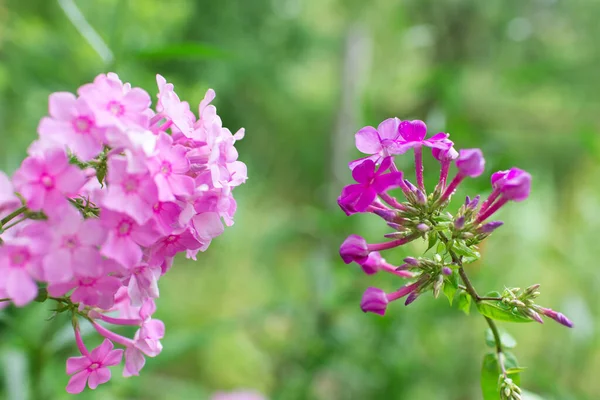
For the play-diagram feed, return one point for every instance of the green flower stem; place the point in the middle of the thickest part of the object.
(12, 215)
(469, 288)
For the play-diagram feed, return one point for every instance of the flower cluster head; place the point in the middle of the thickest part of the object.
(422, 213)
(110, 192)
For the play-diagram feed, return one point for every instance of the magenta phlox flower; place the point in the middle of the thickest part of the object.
(115, 103)
(380, 142)
(130, 194)
(207, 226)
(143, 284)
(74, 244)
(125, 237)
(170, 107)
(178, 241)
(20, 263)
(92, 285)
(166, 216)
(72, 123)
(412, 135)
(91, 368)
(45, 180)
(168, 168)
(371, 182)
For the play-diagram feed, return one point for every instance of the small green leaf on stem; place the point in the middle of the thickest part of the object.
(432, 240)
(450, 288)
(464, 302)
(501, 312)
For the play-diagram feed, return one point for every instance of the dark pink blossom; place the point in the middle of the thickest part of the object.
(72, 124)
(46, 180)
(91, 368)
(370, 183)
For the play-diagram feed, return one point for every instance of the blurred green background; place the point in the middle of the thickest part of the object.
(271, 306)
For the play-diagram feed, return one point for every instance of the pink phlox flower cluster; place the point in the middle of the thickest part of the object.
(377, 174)
(109, 194)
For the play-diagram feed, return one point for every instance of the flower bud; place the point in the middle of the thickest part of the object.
(445, 155)
(516, 185)
(374, 300)
(473, 203)
(388, 215)
(412, 261)
(373, 263)
(422, 227)
(459, 223)
(470, 162)
(558, 317)
(410, 186)
(411, 297)
(437, 258)
(534, 315)
(532, 289)
(421, 198)
(354, 248)
(490, 227)
(447, 271)
(437, 286)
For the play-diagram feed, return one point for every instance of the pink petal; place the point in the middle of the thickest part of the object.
(59, 289)
(86, 261)
(388, 181)
(134, 362)
(208, 225)
(388, 129)
(77, 382)
(91, 233)
(98, 377)
(76, 364)
(123, 250)
(353, 164)
(100, 352)
(368, 140)
(364, 172)
(20, 287)
(113, 358)
(70, 180)
(365, 199)
(181, 185)
(57, 266)
(62, 105)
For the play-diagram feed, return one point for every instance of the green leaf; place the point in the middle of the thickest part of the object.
(441, 248)
(182, 51)
(468, 254)
(464, 302)
(508, 342)
(490, 372)
(433, 238)
(516, 370)
(500, 311)
(450, 289)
